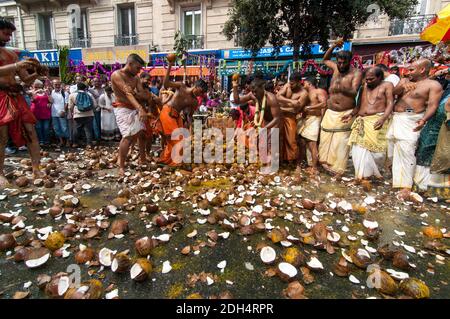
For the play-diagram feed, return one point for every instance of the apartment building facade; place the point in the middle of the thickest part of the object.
(105, 26)
(383, 34)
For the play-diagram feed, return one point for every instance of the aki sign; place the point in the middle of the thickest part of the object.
(51, 57)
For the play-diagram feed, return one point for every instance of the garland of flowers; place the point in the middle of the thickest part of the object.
(258, 118)
(94, 72)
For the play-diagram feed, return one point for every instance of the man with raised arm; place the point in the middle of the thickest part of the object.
(338, 119)
(184, 99)
(16, 119)
(418, 100)
(368, 138)
(292, 98)
(130, 114)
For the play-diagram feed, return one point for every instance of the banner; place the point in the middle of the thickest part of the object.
(112, 55)
(50, 58)
(284, 51)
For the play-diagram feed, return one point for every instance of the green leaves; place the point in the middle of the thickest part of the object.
(64, 72)
(302, 22)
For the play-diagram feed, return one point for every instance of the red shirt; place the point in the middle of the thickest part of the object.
(40, 107)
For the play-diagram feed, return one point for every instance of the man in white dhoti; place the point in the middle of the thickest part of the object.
(418, 101)
(130, 114)
(368, 138)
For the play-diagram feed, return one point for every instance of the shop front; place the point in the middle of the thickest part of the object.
(199, 64)
(50, 58)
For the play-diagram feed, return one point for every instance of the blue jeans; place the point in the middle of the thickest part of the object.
(97, 126)
(60, 127)
(43, 131)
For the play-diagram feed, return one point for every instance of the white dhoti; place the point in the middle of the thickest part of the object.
(402, 147)
(128, 121)
(369, 146)
(309, 127)
(334, 137)
(424, 179)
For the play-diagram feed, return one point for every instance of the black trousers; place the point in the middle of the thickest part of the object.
(85, 124)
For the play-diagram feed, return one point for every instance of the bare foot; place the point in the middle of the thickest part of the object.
(37, 173)
(404, 194)
(3, 182)
(312, 171)
(121, 172)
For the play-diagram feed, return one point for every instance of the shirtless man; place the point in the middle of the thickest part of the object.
(130, 114)
(16, 119)
(152, 104)
(184, 99)
(368, 138)
(267, 115)
(418, 100)
(308, 127)
(292, 98)
(337, 121)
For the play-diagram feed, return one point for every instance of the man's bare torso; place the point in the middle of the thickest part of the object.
(314, 98)
(183, 99)
(121, 92)
(339, 84)
(373, 101)
(7, 57)
(297, 95)
(415, 99)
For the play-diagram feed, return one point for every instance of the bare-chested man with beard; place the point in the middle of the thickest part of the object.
(368, 138)
(338, 119)
(292, 98)
(16, 119)
(418, 101)
(308, 127)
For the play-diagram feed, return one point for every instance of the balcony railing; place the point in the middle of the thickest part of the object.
(13, 43)
(123, 40)
(195, 41)
(411, 25)
(83, 42)
(46, 44)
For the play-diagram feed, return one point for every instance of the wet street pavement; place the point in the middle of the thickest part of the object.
(214, 231)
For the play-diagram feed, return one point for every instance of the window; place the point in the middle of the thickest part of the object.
(192, 20)
(126, 26)
(80, 36)
(46, 33)
(192, 27)
(127, 23)
(421, 7)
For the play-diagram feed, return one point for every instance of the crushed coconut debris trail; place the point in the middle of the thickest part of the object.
(214, 231)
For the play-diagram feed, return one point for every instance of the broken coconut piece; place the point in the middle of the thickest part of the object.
(370, 224)
(37, 257)
(314, 263)
(286, 271)
(140, 270)
(268, 255)
(105, 256)
(166, 267)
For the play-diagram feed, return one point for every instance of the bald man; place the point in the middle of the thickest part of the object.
(418, 100)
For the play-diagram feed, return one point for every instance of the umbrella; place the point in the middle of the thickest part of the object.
(439, 28)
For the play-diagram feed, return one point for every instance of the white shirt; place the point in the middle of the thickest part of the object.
(394, 79)
(73, 88)
(58, 103)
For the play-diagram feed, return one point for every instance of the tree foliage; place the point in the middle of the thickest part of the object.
(303, 22)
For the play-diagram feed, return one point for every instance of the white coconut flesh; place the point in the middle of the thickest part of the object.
(166, 267)
(268, 254)
(114, 265)
(370, 224)
(63, 285)
(287, 269)
(315, 263)
(135, 271)
(105, 257)
(34, 263)
(333, 237)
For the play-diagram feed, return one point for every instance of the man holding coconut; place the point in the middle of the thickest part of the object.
(184, 99)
